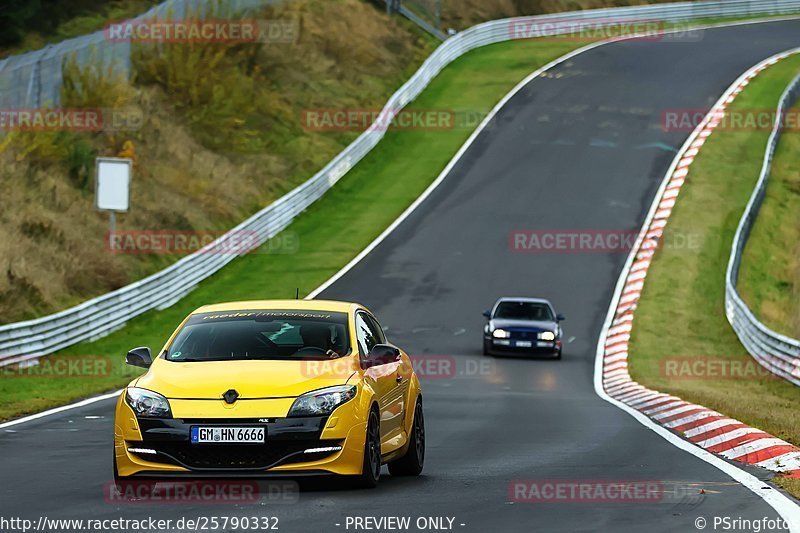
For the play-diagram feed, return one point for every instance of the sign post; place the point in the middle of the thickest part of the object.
(113, 188)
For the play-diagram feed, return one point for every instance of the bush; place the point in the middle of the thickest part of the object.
(80, 162)
(210, 85)
(93, 87)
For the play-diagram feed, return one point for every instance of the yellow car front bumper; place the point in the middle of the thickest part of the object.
(162, 447)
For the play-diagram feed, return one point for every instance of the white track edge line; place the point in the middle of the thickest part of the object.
(787, 508)
(82, 403)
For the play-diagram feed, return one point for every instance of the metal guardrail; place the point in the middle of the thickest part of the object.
(777, 353)
(100, 316)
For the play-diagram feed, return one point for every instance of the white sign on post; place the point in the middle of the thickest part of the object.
(112, 187)
(112, 184)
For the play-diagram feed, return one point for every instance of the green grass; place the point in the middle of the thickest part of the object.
(330, 233)
(681, 312)
(769, 280)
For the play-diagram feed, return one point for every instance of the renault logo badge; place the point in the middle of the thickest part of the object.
(230, 396)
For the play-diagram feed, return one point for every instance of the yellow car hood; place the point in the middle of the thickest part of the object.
(251, 379)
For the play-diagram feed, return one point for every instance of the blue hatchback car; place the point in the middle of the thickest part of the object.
(520, 326)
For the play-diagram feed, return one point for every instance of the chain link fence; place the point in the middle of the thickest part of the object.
(34, 79)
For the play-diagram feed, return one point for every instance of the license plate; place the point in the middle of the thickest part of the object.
(524, 344)
(227, 435)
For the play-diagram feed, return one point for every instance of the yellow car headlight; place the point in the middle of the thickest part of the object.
(146, 403)
(322, 402)
(500, 334)
(547, 336)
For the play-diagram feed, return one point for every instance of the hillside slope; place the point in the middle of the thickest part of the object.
(217, 133)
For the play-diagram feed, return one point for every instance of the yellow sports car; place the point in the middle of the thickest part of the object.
(270, 388)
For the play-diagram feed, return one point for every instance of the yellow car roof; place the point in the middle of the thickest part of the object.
(304, 305)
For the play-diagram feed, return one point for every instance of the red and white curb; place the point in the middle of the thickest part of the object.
(710, 430)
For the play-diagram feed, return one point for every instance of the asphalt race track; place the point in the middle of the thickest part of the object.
(580, 148)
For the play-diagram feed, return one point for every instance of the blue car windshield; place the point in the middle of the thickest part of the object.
(523, 311)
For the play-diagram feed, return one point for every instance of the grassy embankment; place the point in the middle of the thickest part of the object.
(681, 312)
(216, 132)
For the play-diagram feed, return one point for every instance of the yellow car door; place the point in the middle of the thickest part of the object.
(387, 382)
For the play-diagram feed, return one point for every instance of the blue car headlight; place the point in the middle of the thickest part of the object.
(323, 401)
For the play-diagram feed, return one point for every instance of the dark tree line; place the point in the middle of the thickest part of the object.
(18, 17)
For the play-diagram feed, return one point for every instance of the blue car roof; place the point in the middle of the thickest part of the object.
(523, 299)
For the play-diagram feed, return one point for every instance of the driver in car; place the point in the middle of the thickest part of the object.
(316, 338)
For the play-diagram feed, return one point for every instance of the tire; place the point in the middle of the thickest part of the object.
(486, 347)
(120, 482)
(412, 462)
(558, 354)
(371, 467)
(114, 467)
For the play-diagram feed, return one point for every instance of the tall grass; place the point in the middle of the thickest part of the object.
(211, 85)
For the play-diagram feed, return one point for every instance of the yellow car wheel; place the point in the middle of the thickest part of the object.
(114, 467)
(371, 468)
(412, 462)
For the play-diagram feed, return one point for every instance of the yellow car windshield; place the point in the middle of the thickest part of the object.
(262, 335)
